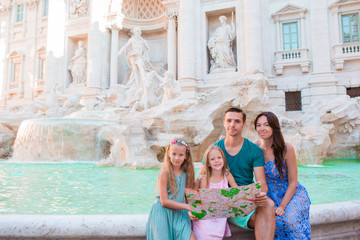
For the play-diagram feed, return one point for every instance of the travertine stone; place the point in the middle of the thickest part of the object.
(328, 221)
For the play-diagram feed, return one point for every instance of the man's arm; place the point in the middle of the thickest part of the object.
(260, 177)
(259, 173)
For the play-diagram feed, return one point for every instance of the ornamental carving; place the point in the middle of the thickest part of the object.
(78, 7)
(143, 9)
(31, 3)
(171, 13)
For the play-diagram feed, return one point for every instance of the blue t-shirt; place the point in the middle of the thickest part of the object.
(242, 164)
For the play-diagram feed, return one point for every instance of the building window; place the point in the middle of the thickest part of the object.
(353, 92)
(290, 36)
(350, 28)
(293, 101)
(16, 73)
(19, 12)
(46, 7)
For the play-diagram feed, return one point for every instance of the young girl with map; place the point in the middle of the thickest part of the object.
(168, 218)
(217, 175)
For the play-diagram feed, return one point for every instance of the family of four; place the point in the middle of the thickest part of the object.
(282, 206)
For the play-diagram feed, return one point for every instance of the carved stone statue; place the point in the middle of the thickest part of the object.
(78, 65)
(171, 87)
(137, 54)
(52, 101)
(78, 7)
(220, 46)
(56, 103)
(152, 92)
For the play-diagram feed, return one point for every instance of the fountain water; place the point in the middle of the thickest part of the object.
(131, 122)
(61, 139)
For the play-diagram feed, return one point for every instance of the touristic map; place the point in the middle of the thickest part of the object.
(222, 202)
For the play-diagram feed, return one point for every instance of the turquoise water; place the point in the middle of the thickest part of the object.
(84, 188)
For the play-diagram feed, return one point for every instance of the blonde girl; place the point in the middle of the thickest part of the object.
(168, 218)
(217, 175)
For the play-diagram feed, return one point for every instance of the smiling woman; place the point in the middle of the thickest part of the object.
(292, 202)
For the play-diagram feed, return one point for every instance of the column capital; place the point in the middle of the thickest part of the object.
(171, 13)
(335, 9)
(31, 3)
(113, 26)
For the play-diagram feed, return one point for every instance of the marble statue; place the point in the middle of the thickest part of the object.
(170, 86)
(56, 103)
(78, 65)
(152, 92)
(137, 56)
(78, 7)
(220, 46)
(52, 101)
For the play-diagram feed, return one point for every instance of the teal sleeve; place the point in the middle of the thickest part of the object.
(258, 158)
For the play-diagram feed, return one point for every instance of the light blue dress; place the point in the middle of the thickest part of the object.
(295, 223)
(169, 224)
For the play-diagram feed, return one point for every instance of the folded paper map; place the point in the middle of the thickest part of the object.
(222, 202)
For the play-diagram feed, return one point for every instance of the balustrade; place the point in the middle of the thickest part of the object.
(345, 52)
(292, 58)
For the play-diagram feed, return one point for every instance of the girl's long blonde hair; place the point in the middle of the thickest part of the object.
(208, 170)
(187, 166)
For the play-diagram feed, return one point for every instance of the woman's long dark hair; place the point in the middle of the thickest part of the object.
(278, 145)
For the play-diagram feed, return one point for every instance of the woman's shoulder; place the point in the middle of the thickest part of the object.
(289, 147)
(289, 152)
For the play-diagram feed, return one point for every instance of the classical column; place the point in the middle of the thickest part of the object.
(320, 36)
(5, 13)
(114, 28)
(253, 35)
(302, 32)
(171, 41)
(55, 44)
(186, 37)
(95, 51)
(336, 23)
(278, 34)
(30, 60)
(323, 82)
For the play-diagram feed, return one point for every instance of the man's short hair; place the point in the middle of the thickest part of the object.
(238, 110)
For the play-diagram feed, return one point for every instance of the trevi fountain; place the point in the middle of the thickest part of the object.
(110, 83)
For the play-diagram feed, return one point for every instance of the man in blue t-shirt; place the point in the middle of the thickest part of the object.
(245, 160)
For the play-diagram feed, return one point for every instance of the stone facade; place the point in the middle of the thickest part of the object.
(39, 38)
